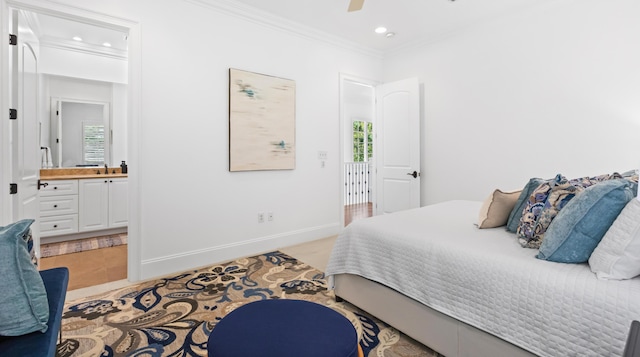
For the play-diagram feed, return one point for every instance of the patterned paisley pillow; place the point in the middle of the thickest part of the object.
(562, 191)
(28, 237)
(631, 175)
(533, 209)
(551, 197)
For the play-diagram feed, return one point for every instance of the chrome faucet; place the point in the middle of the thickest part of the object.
(106, 169)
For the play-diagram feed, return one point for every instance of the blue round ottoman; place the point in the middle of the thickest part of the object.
(283, 328)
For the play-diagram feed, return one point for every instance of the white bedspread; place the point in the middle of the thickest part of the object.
(484, 278)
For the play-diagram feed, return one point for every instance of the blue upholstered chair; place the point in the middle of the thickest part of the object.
(38, 344)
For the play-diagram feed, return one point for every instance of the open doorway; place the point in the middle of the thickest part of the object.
(99, 52)
(358, 128)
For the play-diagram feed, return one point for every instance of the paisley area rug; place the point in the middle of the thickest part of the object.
(81, 245)
(174, 316)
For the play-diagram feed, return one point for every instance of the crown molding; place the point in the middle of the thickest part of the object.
(270, 20)
(84, 48)
(32, 22)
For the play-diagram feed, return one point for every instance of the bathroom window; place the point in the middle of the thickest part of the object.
(93, 143)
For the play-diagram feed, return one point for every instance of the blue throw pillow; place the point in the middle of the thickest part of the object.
(516, 212)
(580, 225)
(23, 302)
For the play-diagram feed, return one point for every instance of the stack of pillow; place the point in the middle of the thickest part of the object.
(594, 219)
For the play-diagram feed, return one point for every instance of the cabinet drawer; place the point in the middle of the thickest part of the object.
(57, 205)
(59, 187)
(56, 225)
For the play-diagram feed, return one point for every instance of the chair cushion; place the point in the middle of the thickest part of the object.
(23, 303)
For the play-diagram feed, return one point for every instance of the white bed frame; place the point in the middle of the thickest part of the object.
(440, 332)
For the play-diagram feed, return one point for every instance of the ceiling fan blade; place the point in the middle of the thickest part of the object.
(355, 5)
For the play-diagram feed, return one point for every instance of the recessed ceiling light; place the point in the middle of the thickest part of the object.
(390, 34)
(106, 44)
(77, 38)
(381, 29)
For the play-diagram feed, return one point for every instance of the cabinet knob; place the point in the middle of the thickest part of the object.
(105, 181)
(55, 226)
(55, 187)
(55, 206)
(110, 180)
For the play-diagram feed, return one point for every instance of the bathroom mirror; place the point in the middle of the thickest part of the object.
(80, 133)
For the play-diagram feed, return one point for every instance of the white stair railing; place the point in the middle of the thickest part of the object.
(356, 183)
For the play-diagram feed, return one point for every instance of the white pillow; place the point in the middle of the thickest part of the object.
(496, 208)
(617, 256)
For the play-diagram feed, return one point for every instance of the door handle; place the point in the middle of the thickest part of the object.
(40, 184)
(415, 174)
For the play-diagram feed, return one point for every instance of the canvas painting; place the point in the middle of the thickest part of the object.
(261, 122)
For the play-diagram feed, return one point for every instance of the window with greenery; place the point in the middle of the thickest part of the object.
(93, 143)
(362, 141)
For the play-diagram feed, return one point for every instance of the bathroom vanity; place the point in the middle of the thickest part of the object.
(81, 203)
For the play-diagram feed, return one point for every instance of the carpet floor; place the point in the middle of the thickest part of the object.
(81, 245)
(174, 316)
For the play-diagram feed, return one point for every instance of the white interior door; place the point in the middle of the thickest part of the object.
(398, 146)
(25, 129)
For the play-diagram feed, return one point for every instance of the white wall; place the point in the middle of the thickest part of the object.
(553, 91)
(193, 210)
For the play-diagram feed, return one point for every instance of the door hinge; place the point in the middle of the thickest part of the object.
(13, 114)
(13, 40)
(13, 188)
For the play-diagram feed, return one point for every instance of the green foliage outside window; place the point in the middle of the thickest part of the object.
(362, 138)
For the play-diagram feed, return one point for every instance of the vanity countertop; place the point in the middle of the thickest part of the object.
(74, 177)
(79, 173)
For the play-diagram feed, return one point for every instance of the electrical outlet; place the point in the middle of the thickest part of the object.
(270, 216)
(260, 217)
(322, 155)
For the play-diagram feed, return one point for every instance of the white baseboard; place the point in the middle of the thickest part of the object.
(176, 263)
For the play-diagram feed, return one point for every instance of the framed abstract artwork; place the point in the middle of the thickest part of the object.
(261, 122)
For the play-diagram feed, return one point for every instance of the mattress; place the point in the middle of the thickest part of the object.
(483, 277)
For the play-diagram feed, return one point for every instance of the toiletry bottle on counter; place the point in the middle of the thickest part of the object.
(123, 166)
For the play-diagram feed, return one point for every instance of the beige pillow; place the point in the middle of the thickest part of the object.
(496, 208)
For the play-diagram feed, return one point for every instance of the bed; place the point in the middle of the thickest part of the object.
(465, 291)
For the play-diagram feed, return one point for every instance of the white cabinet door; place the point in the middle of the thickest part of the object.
(93, 204)
(118, 202)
